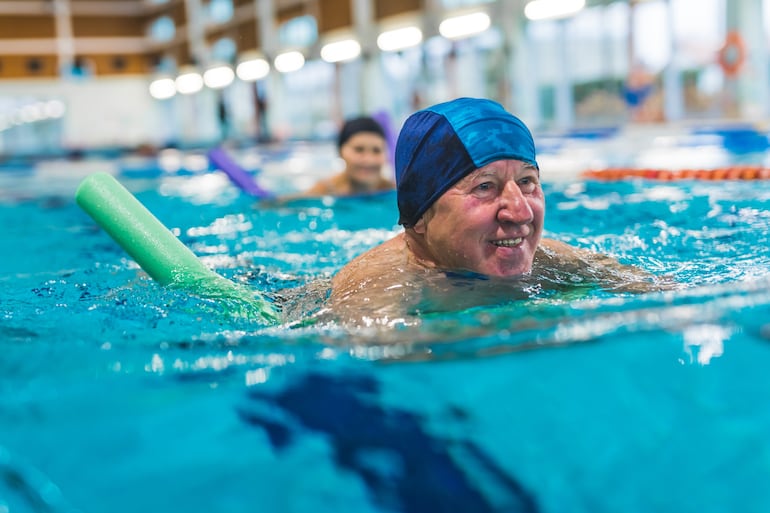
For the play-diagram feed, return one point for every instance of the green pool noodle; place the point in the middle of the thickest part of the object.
(158, 251)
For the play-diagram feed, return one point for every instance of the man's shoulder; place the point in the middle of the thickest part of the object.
(556, 248)
(387, 253)
(374, 260)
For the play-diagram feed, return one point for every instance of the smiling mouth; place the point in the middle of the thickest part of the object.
(507, 243)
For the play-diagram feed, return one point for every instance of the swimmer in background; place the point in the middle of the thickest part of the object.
(471, 203)
(642, 96)
(362, 145)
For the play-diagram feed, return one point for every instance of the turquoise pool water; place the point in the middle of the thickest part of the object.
(117, 395)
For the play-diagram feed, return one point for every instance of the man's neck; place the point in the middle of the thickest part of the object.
(417, 250)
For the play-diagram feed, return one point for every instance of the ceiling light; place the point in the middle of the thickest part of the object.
(252, 69)
(465, 25)
(552, 9)
(289, 61)
(189, 82)
(218, 77)
(162, 88)
(338, 51)
(398, 39)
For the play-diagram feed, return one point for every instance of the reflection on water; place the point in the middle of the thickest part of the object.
(699, 235)
(599, 400)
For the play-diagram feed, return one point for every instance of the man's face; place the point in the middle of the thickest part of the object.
(490, 222)
(364, 155)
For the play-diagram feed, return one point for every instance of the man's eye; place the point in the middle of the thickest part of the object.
(485, 186)
(527, 184)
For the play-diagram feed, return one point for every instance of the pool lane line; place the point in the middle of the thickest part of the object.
(158, 251)
(738, 172)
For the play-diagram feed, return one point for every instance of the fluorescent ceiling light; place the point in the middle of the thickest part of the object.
(56, 108)
(341, 50)
(162, 88)
(253, 69)
(289, 61)
(218, 77)
(552, 9)
(398, 39)
(464, 26)
(31, 112)
(189, 82)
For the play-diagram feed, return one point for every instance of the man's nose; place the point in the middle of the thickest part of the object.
(513, 205)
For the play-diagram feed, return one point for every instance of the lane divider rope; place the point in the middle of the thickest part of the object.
(740, 172)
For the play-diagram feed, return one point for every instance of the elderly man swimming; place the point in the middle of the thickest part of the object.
(472, 206)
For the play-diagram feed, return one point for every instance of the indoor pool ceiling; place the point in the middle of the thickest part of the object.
(129, 7)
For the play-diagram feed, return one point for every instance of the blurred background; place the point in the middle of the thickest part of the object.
(79, 76)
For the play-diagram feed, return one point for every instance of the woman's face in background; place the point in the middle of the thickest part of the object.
(364, 154)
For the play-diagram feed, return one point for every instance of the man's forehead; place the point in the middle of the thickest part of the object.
(499, 166)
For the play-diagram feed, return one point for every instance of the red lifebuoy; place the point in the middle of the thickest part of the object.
(732, 55)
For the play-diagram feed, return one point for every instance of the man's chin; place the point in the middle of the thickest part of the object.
(508, 271)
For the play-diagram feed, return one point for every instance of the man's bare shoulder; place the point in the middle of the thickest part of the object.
(556, 252)
(376, 284)
(559, 258)
(373, 262)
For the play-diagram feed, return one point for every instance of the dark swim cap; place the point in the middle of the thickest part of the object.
(356, 125)
(440, 145)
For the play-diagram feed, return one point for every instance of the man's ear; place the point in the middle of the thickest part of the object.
(419, 226)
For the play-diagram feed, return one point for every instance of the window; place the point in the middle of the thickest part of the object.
(220, 11)
(119, 63)
(34, 65)
(162, 29)
(298, 32)
(224, 50)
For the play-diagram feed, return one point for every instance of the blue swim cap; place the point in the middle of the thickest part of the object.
(440, 145)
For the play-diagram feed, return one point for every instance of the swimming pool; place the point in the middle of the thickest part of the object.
(117, 395)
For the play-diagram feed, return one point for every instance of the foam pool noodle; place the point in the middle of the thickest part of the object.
(158, 251)
(391, 135)
(237, 175)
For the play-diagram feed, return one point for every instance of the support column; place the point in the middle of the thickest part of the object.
(752, 82)
(268, 32)
(65, 43)
(673, 90)
(520, 73)
(266, 92)
(196, 36)
(364, 27)
(565, 101)
(431, 17)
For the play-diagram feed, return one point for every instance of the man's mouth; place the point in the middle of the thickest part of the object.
(507, 243)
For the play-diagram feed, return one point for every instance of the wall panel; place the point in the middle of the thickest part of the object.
(27, 27)
(386, 8)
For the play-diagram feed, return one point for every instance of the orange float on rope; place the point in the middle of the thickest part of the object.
(719, 173)
(732, 55)
(749, 173)
(742, 172)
